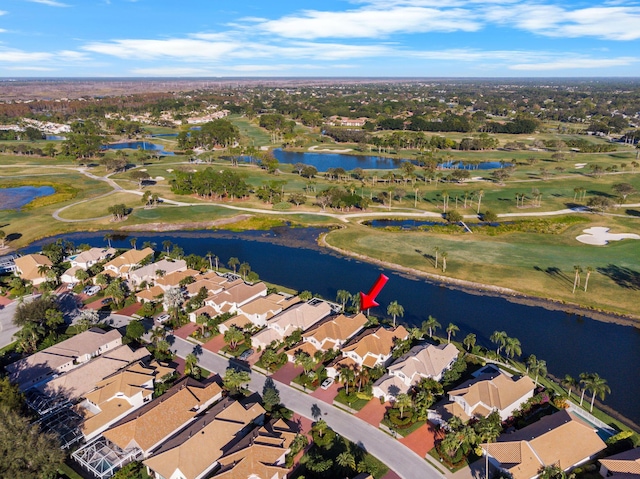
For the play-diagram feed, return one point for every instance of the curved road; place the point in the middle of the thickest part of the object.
(399, 458)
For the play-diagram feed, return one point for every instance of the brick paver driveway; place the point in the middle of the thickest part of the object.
(373, 412)
(286, 373)
(423, 439)
(326, 395)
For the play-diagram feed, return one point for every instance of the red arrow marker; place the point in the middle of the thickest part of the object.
(368, 300)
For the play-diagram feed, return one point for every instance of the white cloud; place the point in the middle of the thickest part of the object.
(51, 3)
(29, 68)
(609, 23)
(11, 55)
(197, 49)
(575, 63)
(370, 22)
(2, 12)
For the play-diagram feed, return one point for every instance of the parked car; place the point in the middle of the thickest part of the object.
(163, 317)
(326, 384)
(245, 354)
(106, 301)
(91, 290)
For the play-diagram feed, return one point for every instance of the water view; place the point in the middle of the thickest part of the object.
(16, 198)
(135, 145)
(324, 161)
(570, 344)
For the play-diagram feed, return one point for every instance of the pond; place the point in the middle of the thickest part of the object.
(413, 224)
(570, 344)
(55, 137)
(135, 145)
(324, 161)
(16, 198)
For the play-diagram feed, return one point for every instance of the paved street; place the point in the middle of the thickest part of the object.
(7, 328)
(400, 459)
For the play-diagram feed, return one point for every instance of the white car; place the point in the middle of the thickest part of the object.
(90, 291)
(163, 317)
(326, 384)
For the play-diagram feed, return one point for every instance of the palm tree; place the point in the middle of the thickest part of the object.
(444, 255)
(233, 263)
(469, 341)
(586, 280)
(499, 338)
(568, 382)
(576, 281)
(479, 194)
(107, 237)
(436, 250)
(403, 401)
(232, 337)
(166, 244)
(345, 459)
(598, 386)
(431, 324)
(157, 334)
(347, 376)
(191, 365)
(209, 256)
(585, 379)
(244, 270)
(540, 369)
(395, 309)
(451, 331)
(133, 242)
(512, 347)
(321, 426)
(343, 296)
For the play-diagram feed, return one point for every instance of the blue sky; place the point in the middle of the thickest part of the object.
(394, 38)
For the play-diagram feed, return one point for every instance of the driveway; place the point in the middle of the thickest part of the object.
(326, 395)
(400, 459)
(423, 439)
(373, 412)
(286, 373)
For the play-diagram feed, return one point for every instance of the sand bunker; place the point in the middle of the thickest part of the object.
(579, 166)
(600, 236)
(328, 150)
(159, 178)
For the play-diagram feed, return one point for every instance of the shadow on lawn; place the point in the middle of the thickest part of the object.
(625, 277)
(556, 274)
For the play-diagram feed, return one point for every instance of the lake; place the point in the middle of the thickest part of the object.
(324, 161)
(134, 145)
(16, 198)
(569, 343)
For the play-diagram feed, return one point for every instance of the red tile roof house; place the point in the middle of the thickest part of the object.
(495, 391)
(120, 266)
(229, 300)
(195, 452)
(62, 357)
(372, 348)
(422, 361)
(300, 316)
(331, 333)
(27, 267)
(136, 435)
(625, 465)
(557, 440)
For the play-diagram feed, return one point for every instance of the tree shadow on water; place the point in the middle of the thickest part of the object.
(625, 277)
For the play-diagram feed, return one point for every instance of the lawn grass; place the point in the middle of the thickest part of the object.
(351, 401)
(404, 432)
(255, 135)
(99, 207)
(533, 263)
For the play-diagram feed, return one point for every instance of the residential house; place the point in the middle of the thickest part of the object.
(118, 395)
(370, 349)
(330, 334)
(625, 465)
(62, 357)
(300, 316)
(559, 440)
(490, 391)
(120, 266)
(79, 381)
(152, 272)
(211, 281)
(229, 299)
(88, 258)
(422, 361)
(259, 454)
(29, 267)
(157, 420)
(195, 452)
(258, 311)
(172, 280)
(69, 276)
(150, 294)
